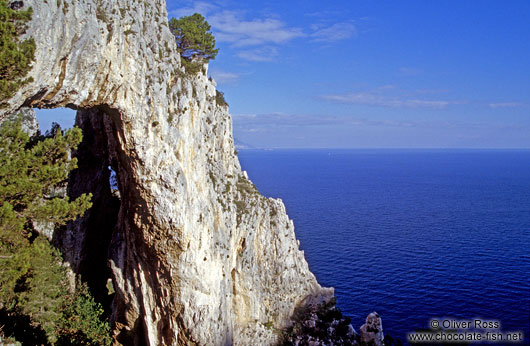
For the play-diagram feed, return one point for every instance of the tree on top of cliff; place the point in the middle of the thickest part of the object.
(194, 39)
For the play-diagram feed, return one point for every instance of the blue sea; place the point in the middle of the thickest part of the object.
(411, 234)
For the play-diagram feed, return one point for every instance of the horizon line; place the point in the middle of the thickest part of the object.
(382, 148)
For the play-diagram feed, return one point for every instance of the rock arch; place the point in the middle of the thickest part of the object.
(179, 274)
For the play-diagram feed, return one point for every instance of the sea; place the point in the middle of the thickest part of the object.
(415, 235)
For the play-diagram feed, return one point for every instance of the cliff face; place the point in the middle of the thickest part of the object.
(195, 254)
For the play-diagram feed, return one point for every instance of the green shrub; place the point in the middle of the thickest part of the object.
(220, 98)
(328, 327)
(15, 56)
(81, 321)
(191, 67)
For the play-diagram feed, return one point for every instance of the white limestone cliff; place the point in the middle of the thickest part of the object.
(196, 254)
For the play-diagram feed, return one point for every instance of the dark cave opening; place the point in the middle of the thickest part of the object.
(86, 242)
(96, 174)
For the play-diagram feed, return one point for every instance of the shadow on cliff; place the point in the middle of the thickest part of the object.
(108, 234)
(22, 328)
(85, 243)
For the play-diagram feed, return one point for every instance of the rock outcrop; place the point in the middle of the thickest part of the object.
(196, 255)
(371, 333)
(28, 120)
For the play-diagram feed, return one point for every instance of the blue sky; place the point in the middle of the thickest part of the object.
(373, 74)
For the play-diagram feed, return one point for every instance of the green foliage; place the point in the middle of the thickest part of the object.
(38, 293)
(220, 98)
(30, 174)
(195, 42)
(81, 321)
(15, 56)
(35, 300)
(246, 192)
(323, 323)
(42, 296)
(191, 67)
(245, 186)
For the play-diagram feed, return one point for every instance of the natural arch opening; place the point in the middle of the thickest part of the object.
(65, 117)
(86, 243)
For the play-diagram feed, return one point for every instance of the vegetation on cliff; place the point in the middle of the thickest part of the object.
(195, 42)
(193, 37)
(322, 323)
(38, 304)
(15, 56)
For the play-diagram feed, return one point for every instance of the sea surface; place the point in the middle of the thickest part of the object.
(411, 234)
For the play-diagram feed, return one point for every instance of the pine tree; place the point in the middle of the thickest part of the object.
(29, 174)
(33, 281)
(195, 42)
(194, 39)
(15, 56)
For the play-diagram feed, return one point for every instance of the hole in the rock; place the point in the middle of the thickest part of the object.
(113, 180)
(65, 117)
(85, 243)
